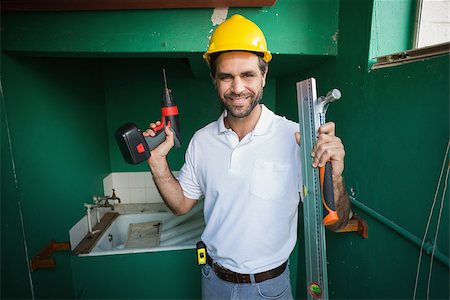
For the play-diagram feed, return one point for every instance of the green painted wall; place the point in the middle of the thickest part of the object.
(394, 124)
(55, 110)
(304, 30)
(134, 90)
(158, 275)
(83, 101)
(389, 21)
(148, 32)
(14, 277)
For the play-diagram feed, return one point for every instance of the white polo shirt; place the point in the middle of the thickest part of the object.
(251, 189)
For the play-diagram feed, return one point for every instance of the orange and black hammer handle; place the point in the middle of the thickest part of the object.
(326, 186)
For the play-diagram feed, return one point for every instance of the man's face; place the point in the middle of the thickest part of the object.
(239, 82)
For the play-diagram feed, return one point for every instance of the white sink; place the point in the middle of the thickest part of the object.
(175, 232)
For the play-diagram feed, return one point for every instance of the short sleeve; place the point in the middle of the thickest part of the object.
(188, 177)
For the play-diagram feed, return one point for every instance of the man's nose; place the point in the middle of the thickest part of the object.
(238, 85)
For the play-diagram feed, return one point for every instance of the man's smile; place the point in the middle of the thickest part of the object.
(240, 100)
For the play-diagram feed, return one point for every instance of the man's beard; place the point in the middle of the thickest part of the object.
(241, 112)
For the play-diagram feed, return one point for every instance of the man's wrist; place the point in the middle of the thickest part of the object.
(158, 166)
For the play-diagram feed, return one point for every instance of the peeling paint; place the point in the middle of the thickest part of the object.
(219, 15)
(209, 35)
(335, 36)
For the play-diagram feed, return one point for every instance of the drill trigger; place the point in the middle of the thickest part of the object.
(160, 126)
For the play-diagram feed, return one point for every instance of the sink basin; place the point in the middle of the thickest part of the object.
(149, 232)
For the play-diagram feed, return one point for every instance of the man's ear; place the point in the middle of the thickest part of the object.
(213, 80)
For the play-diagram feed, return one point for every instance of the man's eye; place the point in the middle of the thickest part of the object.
(225, 77)
(249, 75)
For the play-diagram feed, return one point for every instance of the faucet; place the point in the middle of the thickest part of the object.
(99, 202)
(104, 201)
(89, 208)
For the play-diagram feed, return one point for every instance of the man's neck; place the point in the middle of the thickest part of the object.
(242, 126)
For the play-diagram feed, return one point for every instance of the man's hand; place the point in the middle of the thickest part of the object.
(163, 149)
(168, 186)
(329, 148)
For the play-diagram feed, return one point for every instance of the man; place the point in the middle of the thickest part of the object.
(247, 167)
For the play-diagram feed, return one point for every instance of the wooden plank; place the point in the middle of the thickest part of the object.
(89, 241)
(74, 5)
(43, 260)
(358, 224)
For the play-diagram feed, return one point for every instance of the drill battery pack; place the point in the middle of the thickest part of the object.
(132, 144)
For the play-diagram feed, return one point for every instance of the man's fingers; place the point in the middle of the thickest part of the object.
(327, 148)
(328, 128)
(169, 134)
(164, 148)
(150, 131)
(324, 141)
(297, 137)
(328, 153)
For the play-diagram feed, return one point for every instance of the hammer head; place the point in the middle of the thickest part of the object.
(333, 95)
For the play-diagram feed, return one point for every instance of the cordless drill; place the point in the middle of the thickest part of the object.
(134, 146)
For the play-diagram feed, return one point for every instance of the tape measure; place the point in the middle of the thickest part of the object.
(311, 111)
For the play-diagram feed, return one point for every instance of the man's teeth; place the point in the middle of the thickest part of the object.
(239, 99)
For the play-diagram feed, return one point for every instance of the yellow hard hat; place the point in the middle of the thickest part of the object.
(238, 33)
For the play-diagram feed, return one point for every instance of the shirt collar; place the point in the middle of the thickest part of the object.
(262, 127)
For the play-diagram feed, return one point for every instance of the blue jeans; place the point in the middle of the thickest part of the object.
(214, 288)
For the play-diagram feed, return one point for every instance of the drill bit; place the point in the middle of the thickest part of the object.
(165, 79)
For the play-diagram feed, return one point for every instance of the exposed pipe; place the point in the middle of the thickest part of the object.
(428, 246)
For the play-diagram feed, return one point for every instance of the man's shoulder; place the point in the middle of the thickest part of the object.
(279, 120)
(283, 121)
(208, 129)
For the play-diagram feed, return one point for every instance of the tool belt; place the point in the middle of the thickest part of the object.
(231, 276)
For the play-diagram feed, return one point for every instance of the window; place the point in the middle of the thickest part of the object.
(406, 30)
(433, 23)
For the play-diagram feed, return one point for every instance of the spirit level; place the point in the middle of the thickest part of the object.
(311, 115)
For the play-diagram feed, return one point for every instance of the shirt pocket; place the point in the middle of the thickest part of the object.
(269, 179)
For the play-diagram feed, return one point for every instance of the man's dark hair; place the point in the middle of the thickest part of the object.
(263, 65)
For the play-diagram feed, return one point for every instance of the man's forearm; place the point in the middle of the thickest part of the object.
(169, 187)
(342, 203)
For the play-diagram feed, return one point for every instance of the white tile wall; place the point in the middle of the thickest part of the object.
(132, 187)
